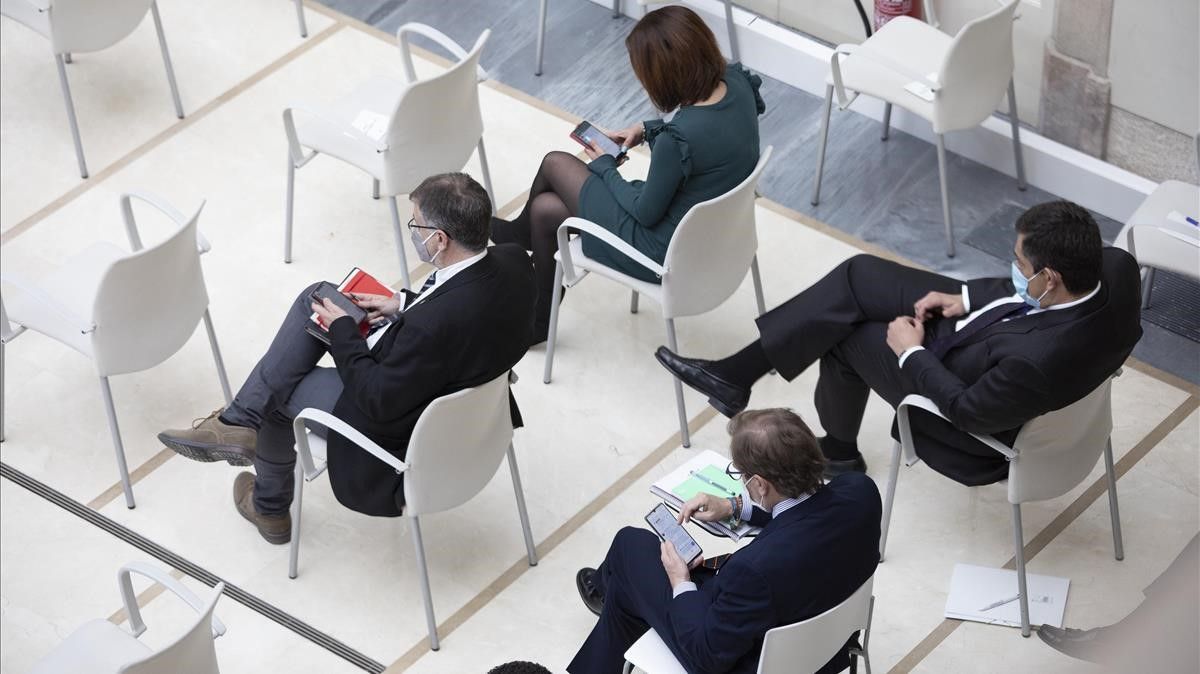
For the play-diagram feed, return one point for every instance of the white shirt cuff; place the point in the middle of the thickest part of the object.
(908, 352)
(966, 295)
(747, 509)
(685, 586)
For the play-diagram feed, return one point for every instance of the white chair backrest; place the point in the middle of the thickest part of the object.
(80, 26)
(805, 647)
(193, 652)
(712, 248)
(456, 447)
(1057, 450)
(436, 124)
(148, 304)
(976, 72)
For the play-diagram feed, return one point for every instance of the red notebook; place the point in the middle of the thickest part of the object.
(358, 281)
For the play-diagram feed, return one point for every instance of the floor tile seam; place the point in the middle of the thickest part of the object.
(135, 476)
(551, 542)
(1059, 524)
(168, 133)
(144, 598)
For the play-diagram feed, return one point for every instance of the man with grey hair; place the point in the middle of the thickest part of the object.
(470, 323)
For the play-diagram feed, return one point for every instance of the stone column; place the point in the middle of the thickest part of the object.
(1076, 91)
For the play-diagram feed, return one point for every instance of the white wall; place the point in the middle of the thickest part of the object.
(1154, 61)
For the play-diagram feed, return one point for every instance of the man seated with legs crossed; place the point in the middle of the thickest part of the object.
(469, 324)
(992, 353)
(818, 544)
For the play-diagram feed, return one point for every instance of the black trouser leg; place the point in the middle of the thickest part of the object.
(860, 363)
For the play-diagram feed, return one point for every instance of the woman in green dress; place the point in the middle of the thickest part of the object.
(705, 146)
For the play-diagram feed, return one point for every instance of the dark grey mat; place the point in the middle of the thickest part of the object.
(1175, 305)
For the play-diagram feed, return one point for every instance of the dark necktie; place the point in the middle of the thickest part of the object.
(432, 279)
(429, 281)
(942, 345)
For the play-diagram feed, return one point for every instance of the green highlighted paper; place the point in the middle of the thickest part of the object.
(711, 480)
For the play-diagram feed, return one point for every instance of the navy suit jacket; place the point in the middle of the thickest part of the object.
(803, 563)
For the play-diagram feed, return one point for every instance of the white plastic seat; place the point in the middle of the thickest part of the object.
(126, 311)
(798, 648)
(1158, 242)
(710, 252)
(399, 133)
(735, 55)
(79, 26)
(453, 452)
(1052, 454)
(966, 76)
(100, 647)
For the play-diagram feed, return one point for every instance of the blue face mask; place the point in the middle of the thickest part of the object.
(1022, 285)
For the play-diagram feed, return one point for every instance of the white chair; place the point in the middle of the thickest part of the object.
(709, 254)
(300, 18)
(398, 132)
(454, 451)
(1052, 454)
(965, 77)
(100, 647)
(78, 26)
(616, 12)
(798, 648)
(127, 311)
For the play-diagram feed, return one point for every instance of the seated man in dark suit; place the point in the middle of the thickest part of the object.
(819, 543)
(991, 353)
(470, 323)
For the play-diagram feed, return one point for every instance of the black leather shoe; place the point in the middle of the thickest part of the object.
(729, 399)
(1081, 644)
(585, 582)
(835, 467)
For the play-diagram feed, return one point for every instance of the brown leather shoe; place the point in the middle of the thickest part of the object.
(277, 529)
(210, 439)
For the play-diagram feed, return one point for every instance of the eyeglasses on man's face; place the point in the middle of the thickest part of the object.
(733, 472)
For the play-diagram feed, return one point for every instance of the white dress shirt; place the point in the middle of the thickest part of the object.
(442, 275)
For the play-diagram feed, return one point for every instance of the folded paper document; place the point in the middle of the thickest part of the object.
(705, 472)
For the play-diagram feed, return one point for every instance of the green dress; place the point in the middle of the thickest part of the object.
(703, 152)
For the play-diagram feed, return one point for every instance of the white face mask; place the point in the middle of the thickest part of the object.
(746, 493)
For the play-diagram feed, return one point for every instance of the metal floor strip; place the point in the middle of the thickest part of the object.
(199, 573)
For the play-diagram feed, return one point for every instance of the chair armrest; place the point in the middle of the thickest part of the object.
(299, 428)
(402, 38)
(131, 230)
(921, 402)
(49, 303)
(865, 54)
(294, 147)
(604, 235)
(157, 575)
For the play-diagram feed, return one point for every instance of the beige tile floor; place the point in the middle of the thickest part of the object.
(596, 436)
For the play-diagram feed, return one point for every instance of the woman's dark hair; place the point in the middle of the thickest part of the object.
(519, 667)
(1063, 236)
(457, 205)
(675, 56)
(778, 446)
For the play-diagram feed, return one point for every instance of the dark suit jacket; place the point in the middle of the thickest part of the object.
(1014, 371)
(472, 329)
(803, 563)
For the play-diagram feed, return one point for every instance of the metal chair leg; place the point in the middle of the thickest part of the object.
(941, 154)
(1, 391)
(166, 56)
(758, 291)
(71, 121)
(297, 511)
(866, 644)
(627, 668)
(374, 188)
(288, 212)
(616, 10)
(530, 549)
(541, 37)
(118, 446)
(889, 498)
(1147, 286)
(816, 195)
(1022, 592)
(67, 58)
(430, 622)
(216, 351)
(683, 421)
(487, 175)
(887, 120)
(1113, 510)
(300, 18)
(734, 53)
(398, 227)
(633, 302)
(1016, 135)
(552, 338)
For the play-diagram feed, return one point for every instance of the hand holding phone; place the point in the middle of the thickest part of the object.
(663, 522)
(586, 134)
(328, 291)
